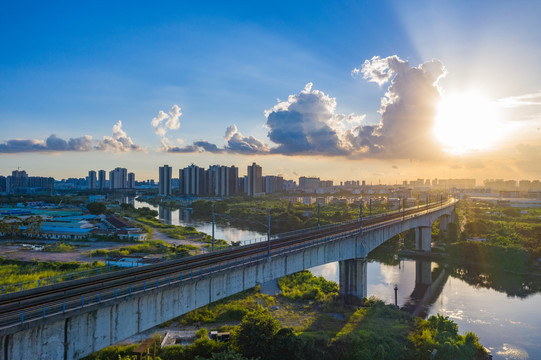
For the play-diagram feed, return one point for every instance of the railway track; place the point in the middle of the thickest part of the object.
(65, 296)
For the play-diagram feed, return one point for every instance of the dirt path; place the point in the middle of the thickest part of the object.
(18, 252)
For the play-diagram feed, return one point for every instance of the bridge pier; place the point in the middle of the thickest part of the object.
(353, 278)
(423, 238)
(423, 272)
(444, 222)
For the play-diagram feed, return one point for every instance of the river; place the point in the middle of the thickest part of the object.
(507, 320)
(184, 217)
(509, 326)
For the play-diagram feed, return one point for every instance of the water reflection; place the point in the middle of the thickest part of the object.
(184, 217)
(508, 325)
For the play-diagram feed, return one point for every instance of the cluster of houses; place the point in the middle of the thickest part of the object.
(75, 227)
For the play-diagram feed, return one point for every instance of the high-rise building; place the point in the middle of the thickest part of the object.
(222, 180)
(39, 182)
(193, 181)
(273, 184)
(118, 178)
(18, 179)
(308, 184)
(254, 183)
(91, 180)
(131, 180)
(165, 180)
(101, 179)
(3, 184)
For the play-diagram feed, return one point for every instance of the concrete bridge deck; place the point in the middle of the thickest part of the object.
(70, 325)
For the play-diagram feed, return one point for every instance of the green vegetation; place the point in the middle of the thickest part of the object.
(180, 232)
(111, 353)
(305, 286)
(130, 210)
(255, 334)
(441, 334)
(509, 240)
(503, 227)
(96, 208)
(15, 271)
(251, 213)
(148, 247)
(59, 247)
(308, 321)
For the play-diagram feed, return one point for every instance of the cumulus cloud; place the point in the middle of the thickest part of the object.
(307, 122)
(196, 147)
(119, 142)
(238, 143)
(408, 109)
(380, 70)
(165, 122)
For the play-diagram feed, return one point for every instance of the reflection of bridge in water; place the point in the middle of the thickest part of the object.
(429, 284)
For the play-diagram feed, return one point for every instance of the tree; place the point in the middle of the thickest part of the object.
(287, 346)
(255, 335)
(452, 232)
(96, 208)
(225, 355)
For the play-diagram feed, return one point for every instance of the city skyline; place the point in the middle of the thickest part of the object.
(379, 92)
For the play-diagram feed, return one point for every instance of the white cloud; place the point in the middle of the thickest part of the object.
(531, 99)
(172, 122)
(119, 142)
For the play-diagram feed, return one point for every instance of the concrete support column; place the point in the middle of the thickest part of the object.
(423, 238)
(353, 278)
(444, 222)
(453, 217)
(423, 272)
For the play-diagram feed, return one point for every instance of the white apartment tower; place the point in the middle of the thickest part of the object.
(254, 183)
(165, 180)
(131, 180)
(91, 180)
(101, 179)
(118, 178)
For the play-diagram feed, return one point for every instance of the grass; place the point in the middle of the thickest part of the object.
(59, 247)
(148, 247)
(14, 271)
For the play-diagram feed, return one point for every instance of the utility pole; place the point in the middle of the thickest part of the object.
(396, 295)
(318, 216)
(404, 208)
(212, 206)
(268, 234)
(361, 217)
(370, 200)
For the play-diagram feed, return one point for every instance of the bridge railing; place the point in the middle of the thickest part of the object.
(31, 284)
(20, 286)
(35, 313)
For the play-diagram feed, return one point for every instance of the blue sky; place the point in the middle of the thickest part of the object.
(74, 69)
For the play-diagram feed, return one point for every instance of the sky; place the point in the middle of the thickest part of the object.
(379, 91)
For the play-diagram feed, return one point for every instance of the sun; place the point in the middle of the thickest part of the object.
(467, 122)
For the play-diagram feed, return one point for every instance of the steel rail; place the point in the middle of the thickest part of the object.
(101, 288)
